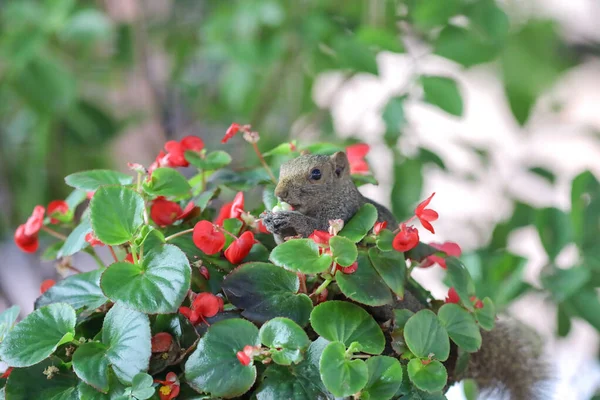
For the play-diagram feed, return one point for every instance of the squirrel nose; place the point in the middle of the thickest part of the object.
(281, 192)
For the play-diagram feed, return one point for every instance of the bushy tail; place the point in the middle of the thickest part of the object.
(510, 364)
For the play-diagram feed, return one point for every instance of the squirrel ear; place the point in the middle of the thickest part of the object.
(340, 164)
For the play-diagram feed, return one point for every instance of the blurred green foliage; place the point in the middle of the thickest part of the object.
(257, 62)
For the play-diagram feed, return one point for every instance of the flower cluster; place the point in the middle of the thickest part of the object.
(26, 235)
(203, 305)
(173, 154)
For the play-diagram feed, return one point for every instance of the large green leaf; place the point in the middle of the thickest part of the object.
(167, 182)
(116, 391)
(214, 368)
(126, 334)
(486, 316)
(385, 378)
(80, 290)
(554, 228)
(341, 376)
(286, 339)
(430, 377)
(343, 250)
(30, 383)
(391, 266)
(265, 291)
(443, 92)
(347, 323)
(298, 382)
(93, 179)
(563, 283)
(91, 365)
(361, 223)
(425, 336)
(158, 284)
(364, 285)
(116, 214)
(300, 255)
(461, 327)
(465, 46)
(76, 240)
(7, 320)
(213, 160)
(38, 335)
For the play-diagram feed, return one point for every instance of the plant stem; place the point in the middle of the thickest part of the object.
(264, 163)
(112, 251)
(134, 255)
(226, 232)
(323, 286)
(54, 233)
(74, 269)
(173, 236)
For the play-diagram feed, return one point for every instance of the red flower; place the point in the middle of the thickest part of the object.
(93, 240)
(224, 213)
(170, 388)
(479, 304)
(47, 284)
(320, 237)
(57, 208)
(348, 270)
(240, 248)
(175, 155)
(237, 206)
(244, 358)
(208, 238)
(452, 296)
(204, 305)
(129, 258)
(379, 226)
(6, 373)
(26, 235)
(356, 157)
(247, 354)
(90, 194)
(164, 212)
(192, 143)
(161, 342)
(261, 227)
(426, 216)
(406, 239)
(450, 248)
(231, 132)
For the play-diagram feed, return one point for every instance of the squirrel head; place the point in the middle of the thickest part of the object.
(309, 181)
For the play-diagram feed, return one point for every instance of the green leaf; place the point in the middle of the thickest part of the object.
(93, 179)
(286, 339)
(394, 118)
(563, 321)
(443, 93)
(91, 365)
(461, 281)
(341, 376)
(364, 285)
(300, 255)
(408, 182)
(269, 198)
(347, 323)
(38, 335)
(30, 383)
(470, 389)
(232, 225)
(116, 391)
(544, 173)
(361, 223)
(167, 182)
(486, 316)
(563, 283)
(265, 291)
(585, 304)
(379, 39)
(385, 378)
(385, 240)
(489, 20)
(156, 285)
(431, 377)
(141, 386)
(126, 334)
(585, 213)
(51, 252)
(7, 320)
(426, 337)
(391, 266)
(214, 368)
(553, 226)
(281, 150)
(427, 14)
(80, 290)
(344, 250)
(213, 160)
(178, 326)
(465, 46)
(116, 214)
(76, 240)
(353, 55)
(461, 327)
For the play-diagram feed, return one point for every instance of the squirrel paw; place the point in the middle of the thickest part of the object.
(282, 223)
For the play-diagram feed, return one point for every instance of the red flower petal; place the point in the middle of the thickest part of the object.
(175, 154)
(237, 206)
(188, 210)
(406, 239)
(206, 304)
(93, 240)
(164, 212)
(224, 213)
(161, 342)
(452, 296)
(243, 358)
(427, 225)
(426, 215)
(35, 222)
(6, 373)
(379, 226)
(207, 238)
(356, 157)
(261, 227)
(320, 237)
(478, 304)
(348, 270)
(231, 131)
(129, 258)
(189, 314)
(240, 248)
(59, 207)
(423, 204)
(192, 143)
(28, 244)
(47, 284)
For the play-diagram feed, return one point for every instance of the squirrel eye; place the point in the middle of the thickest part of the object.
(315, 174)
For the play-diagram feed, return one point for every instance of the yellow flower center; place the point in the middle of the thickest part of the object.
(166, 390)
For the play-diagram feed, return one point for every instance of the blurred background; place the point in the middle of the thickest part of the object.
(493, 105)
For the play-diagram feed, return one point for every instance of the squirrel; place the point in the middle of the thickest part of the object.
(320, 189)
